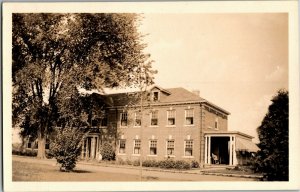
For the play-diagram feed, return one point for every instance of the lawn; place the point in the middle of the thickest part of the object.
(24, 171)
(245, 171)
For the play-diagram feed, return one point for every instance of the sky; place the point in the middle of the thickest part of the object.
(236, 61)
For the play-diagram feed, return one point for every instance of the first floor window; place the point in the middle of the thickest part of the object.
(124, 119)
(137, 146)
(171, 117)
(153, 147)
(154, 118)
(189, 117)
(188, 151)
(170, 147)
(122, 146)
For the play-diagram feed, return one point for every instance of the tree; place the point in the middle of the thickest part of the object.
(273, 158)
(66, 147)
(55, 55)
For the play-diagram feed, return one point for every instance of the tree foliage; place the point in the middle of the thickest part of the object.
(273, 158)
(55, 55)
(66, 147)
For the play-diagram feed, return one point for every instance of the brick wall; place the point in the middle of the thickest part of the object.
(162, 132)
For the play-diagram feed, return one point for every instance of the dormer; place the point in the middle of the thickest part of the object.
(157, 92)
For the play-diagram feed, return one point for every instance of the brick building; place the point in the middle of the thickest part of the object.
(175, 123)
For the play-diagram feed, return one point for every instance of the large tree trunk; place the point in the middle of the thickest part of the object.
(41, 145)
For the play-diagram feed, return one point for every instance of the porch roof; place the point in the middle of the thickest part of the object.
(245, 145)
(212, 133)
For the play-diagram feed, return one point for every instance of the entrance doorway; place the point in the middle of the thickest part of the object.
(220, 150)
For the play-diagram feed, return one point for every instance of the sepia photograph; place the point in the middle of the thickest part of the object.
(170, 94)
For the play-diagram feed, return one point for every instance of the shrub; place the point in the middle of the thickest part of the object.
(180, 164)
(66, 147)
(136, 163)
(120, 161)
(194, 164)
(107, 152)
(26, 152)
(150, 163)
(128, 162)
(167, 164)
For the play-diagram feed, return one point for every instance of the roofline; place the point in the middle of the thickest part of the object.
(229, 132)
(160, 104)
(215, 106)
(160, 88)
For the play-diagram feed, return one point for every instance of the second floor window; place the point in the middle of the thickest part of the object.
(189, 117)
(137, 119)
(124, 119)
(171, 117)
(154, 118)
(104, 121)
(153, 147)
(137, 146)
(216, 124)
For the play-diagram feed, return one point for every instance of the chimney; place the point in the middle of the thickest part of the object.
(196, 92)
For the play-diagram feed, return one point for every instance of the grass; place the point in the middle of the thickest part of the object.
(240, 171)
(25, 171)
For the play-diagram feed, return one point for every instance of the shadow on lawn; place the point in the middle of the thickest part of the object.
(81, 171)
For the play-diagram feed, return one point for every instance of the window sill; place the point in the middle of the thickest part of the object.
(154, 126)
(123, 127)
(121, 154)
(172, 156)
(152, 155)
(136, 126)
(190, 125)
(171, 126)
(188, 157)
(136, 155)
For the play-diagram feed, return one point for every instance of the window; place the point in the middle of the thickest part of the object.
(137, 146)
(104, 121)
(124, 119)
(155, 96)
(216, 124)
(29, 145)
(189, 117)
(170, 147)
(95, 122)
(153, 147)
(154, 118)
(171, 117)
(122, 146)
(188, 151)
(137, 119)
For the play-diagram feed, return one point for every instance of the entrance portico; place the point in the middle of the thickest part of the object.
(222, 147)
(90, 147)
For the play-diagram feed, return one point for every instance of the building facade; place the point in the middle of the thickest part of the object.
(173, 123)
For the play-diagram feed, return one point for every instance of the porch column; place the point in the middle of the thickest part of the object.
(205, 154)
(230, 150)
(96, 147)
(234, 161)
(82, 148)
(93, 148)
(87, 148)
(209, 150)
